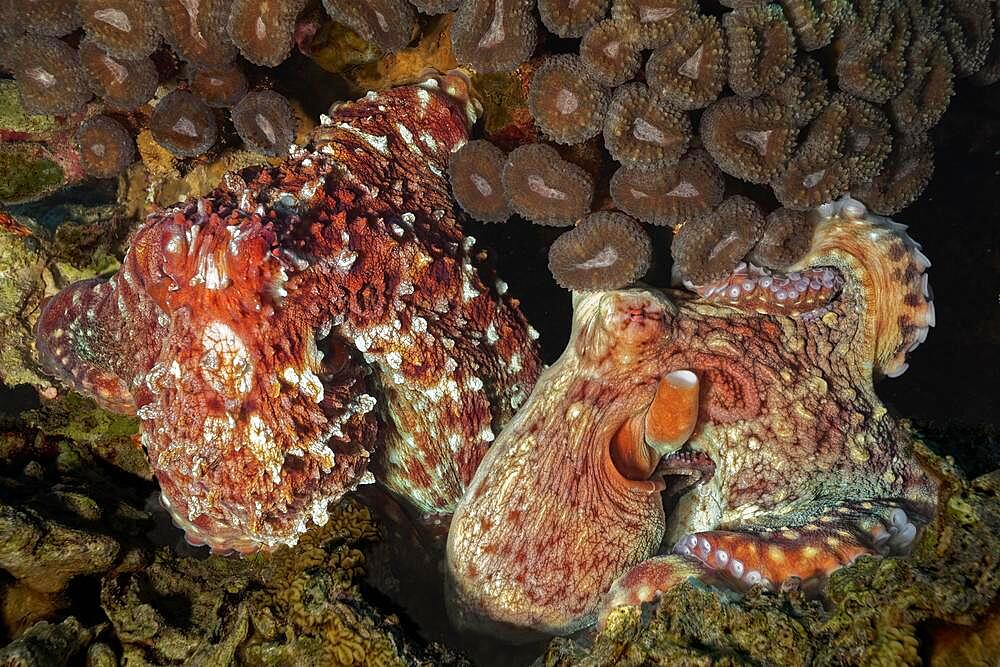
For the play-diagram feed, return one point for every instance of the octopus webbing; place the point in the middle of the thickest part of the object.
(748, 404)
(307, 328)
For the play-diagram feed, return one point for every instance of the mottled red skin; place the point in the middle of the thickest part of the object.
(304, 324)
(810, 469)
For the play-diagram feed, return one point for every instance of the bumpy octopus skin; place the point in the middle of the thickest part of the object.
(763, 408)
(305, 327)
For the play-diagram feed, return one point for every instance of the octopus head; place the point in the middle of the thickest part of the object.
(593, 435)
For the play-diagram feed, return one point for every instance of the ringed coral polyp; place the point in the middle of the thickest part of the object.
(387, 23)
(814, 23)
(262, 31)
(903, 177)
(476, 173)
(123, 28)
(641, 132)
(571, 18)
(688, 190)
(803, 93)
(707, 249)
(49, 77)
(106, 147)
(183, 124)
(544, 188)
(785, 240)
(265, 121)
(196, 29)
(690, 71)
(761, 49)
(873, 63)
(122, 83)
(929, 85)
(968, 28)
(610, 52)
(219, 86)
(605, 250)
(749, 138)
(565, 101)
(52, 18)
(494, 35)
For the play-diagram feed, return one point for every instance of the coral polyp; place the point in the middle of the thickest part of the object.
(688, 190)
(690, 71)
(803, 93)
(544, 188)
(106, 147)
(121, 83)
(49, 76)
(262, 31)
(196, 29)
(388, 23)
(785, 240)
(642, 132)
(121, 27)
(761, 48)
(873, 64)
(52, 18)
(708, 248)
(571, 18)
(219, 86)
(610, 51)
(265, 121)
(605, 250)
(749, 138)
(476, 174)
(906, 172)
(183, 124)
(566, 103)
(494, 35)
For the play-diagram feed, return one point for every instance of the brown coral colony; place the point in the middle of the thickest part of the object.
(810, 100)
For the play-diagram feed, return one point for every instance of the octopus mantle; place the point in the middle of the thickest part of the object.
(270, 334)
(754, 409)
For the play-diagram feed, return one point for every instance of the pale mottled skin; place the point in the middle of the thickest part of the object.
(305, 326)
(809, 465)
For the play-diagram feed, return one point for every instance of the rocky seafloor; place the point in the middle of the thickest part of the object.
(94, 573)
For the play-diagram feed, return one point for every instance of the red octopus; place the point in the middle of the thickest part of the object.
(306, 326)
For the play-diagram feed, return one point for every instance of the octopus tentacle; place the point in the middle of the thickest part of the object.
(808, 552)
(885, 280)
(802, 555)
(854, 255)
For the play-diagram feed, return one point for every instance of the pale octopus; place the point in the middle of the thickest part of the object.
(756, 414)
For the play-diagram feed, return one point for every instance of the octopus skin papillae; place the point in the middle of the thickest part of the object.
(270, 334)
(321, 324)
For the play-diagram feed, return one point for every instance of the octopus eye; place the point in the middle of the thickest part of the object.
(660, 430)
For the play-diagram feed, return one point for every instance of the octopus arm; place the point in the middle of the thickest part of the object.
(886, 281)
(804, 553)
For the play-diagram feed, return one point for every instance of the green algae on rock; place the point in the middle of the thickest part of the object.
(27, 173)
(47, 644)
(13, 117)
